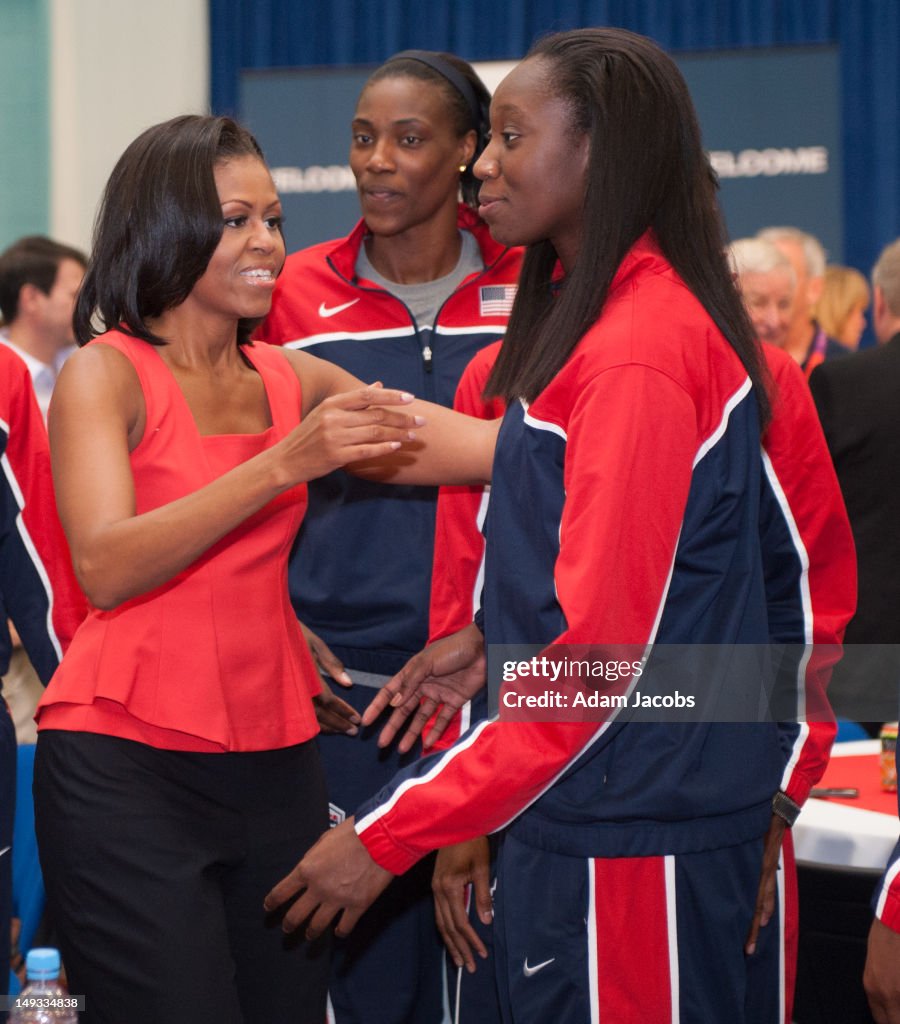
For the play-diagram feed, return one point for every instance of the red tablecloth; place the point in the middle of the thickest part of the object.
(864, 774)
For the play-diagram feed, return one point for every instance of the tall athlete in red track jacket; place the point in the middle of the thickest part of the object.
(628, 463)
(797, 472)
(622, 485)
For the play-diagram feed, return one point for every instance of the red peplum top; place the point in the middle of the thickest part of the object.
(214, 659)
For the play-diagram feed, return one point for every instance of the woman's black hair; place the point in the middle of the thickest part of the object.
(158, 225)
(647, 169)
(467, 96)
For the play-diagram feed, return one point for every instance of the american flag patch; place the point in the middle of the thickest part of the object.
(497, 299)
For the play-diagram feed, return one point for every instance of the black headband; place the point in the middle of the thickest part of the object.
(459, 82)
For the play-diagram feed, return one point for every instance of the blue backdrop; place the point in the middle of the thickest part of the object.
(769, 117)
(285, 33)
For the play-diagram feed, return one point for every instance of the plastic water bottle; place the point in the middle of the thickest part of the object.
(44, 999)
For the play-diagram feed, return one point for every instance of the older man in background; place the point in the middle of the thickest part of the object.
(806, 341)
(767, 282)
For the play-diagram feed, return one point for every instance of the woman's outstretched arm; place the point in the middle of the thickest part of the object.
(449, 448)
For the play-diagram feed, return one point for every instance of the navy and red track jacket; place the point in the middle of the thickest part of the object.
(633, 503)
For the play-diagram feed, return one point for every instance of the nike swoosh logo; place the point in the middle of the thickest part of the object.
(530, 971)
(5, 849)
(326, 311)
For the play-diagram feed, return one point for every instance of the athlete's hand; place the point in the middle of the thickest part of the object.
(336, 877)
(766, 893)
(458, 867)
(441, 678)
(881, 978)
(333, 714)
(327, 662)
(352, 426)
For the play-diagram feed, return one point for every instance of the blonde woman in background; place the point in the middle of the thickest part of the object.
(841, 310)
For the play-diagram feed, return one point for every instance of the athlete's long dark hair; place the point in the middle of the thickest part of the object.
(646, 169)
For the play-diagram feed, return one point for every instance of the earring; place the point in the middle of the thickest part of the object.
(462, 168)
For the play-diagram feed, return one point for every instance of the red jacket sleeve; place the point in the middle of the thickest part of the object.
(37, 582)
(800, 473)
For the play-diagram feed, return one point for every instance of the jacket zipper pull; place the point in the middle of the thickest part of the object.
(426, 358)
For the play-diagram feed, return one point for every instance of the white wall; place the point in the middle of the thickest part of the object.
(116, 67)
(493, 72)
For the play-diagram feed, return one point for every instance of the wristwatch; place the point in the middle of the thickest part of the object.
(785, 808)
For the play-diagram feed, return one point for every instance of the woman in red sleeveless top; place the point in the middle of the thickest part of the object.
(175, 773)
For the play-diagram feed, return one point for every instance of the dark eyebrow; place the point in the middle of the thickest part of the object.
(248, 205)
(399, 123)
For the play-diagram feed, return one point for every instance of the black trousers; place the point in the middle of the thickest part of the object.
(156, 864)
